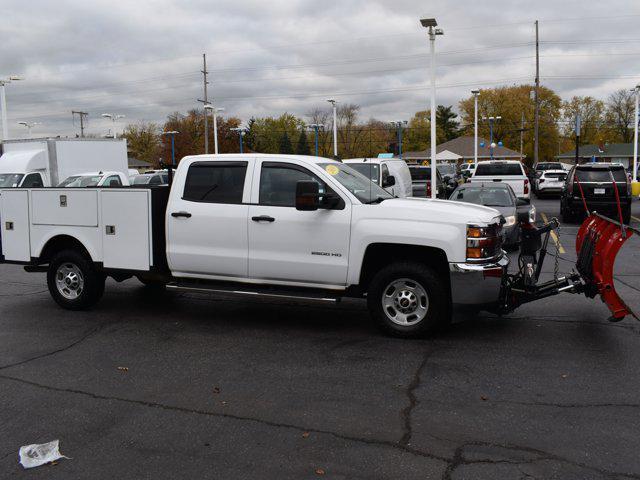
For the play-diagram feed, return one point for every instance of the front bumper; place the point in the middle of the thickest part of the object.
(477, 284)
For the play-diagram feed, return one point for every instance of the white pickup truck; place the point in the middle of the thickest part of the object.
(279, 225)
(510, 172)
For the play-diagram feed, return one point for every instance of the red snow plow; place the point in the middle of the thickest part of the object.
(597, 244)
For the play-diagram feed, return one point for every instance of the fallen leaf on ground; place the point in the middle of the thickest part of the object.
(305, 434)
(483, 398)
(564, 375)
(216, 390)
(123, 369)
(319, 471)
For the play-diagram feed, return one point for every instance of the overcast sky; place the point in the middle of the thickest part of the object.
(143, 58)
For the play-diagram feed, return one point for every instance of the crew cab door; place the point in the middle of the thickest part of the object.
(207, 219)
(289, 245)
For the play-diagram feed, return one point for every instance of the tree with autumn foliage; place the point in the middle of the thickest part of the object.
(143, 142)
(511, 102)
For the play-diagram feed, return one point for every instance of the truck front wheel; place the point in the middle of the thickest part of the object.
(408, 300)
(73, 281)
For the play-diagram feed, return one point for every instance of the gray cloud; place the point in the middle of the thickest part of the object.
(143, 58)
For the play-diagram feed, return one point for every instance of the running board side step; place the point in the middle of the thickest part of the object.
(257, 290)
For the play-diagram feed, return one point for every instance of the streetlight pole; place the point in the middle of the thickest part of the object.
(475, 125)
(172, 134)
(29, 126)
(491, 144)
(316, 127)
(240, 131)
(635, 140)
(335, 127)
(114, 118)
(215, 124)
(431, 23)
(3, 104)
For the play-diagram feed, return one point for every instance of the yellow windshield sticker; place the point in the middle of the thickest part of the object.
(332, 169)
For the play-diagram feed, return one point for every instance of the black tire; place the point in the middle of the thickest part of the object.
(437, 304)
(63, 266)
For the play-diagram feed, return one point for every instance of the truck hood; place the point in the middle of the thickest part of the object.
(440, 210)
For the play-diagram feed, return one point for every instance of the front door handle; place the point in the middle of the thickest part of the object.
(263, 218)
(181, 214)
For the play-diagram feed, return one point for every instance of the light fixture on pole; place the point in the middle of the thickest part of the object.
(399, 124)
(430, 24)
(316, 127)
(241, 131)
(3, 104)
(172, 134)
(475, 92)
(114, 118)
(635, 185)
(214, 111)
(491, 144)
(335, 127)
(29, 126)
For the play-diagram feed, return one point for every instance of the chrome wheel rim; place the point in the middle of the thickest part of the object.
(69, 281)
(405, 302)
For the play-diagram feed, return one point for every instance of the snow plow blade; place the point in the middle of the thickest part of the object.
(598, 242)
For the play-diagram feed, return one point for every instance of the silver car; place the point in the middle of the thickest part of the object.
(501, 197)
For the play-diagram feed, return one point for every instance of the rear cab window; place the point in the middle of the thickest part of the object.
(601, 175)
(215, 182)
(499, 170)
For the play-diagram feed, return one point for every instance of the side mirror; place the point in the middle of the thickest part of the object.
(390, 181)
(307, 195)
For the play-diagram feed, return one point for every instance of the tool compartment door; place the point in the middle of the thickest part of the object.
(15, 225)
(125, 224)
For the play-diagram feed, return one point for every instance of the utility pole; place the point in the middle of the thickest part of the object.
(82, 116)
(205, 101)
(537, 100)
(475, 93)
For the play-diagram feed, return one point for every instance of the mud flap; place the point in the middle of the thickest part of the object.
(598, 242)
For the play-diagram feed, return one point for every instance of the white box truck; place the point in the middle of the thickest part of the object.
(45, 162)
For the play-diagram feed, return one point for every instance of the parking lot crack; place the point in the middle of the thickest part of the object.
(406, 413)
(56, 351)
(349, 438)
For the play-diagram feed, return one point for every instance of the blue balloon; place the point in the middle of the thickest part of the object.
(482, 144)
(499, 144)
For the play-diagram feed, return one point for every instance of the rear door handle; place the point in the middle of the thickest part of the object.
(263, 218)
(181, 214)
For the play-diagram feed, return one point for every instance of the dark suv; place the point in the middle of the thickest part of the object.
(597, 182)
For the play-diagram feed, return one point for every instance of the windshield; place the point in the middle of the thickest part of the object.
(360, 186)
(549, 166)
(499, 169)
(10, 180)
(369, 170)
(81, 181)
(420, 173)
(447, 169)
(142, 179)
(601, 175)
(487, 196)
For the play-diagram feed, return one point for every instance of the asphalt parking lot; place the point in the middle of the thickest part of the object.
(203, 386)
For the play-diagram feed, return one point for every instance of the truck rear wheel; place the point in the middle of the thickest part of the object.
(408, 300)
(73, 281)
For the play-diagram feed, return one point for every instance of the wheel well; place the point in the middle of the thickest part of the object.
(59, 243)
(379, 255)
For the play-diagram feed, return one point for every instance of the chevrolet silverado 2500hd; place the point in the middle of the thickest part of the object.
(288, 226)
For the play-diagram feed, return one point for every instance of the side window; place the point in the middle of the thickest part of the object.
(384, 174)
(113, 181)
(278, 183)
(155, 180)
(33, 180)
(215, 182)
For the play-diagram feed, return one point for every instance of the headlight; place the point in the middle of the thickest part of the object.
(510, 220)
(532, 214)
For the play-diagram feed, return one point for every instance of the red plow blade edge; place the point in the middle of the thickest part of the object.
(598, 242)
